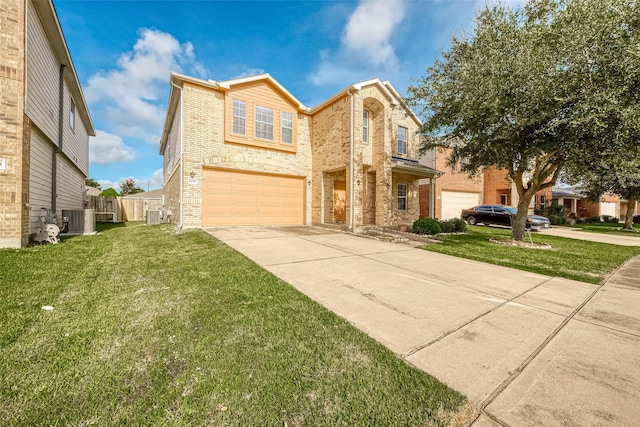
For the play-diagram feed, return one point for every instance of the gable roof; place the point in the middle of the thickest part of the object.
(227, 84)
(385, 87)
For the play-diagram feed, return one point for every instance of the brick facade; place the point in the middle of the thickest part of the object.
(14, 127)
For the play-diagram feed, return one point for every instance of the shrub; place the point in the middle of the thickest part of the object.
(459, 225)
(610, 219)
(557, 220)
(592, 220)
(447, 226)
(430, 226)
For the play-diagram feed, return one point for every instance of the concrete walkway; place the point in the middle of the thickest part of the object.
(526, 349)
(578, 233)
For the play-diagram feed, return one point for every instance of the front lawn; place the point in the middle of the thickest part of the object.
(608, 228)
(570, 258)
(153, 327)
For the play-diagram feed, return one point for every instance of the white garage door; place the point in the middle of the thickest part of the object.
(453, 202)
(246, 198)
(608, 208)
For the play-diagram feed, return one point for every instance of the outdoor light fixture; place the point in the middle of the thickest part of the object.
(192, 174)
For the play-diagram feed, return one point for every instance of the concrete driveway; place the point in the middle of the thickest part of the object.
(578, 233)
(526, 349)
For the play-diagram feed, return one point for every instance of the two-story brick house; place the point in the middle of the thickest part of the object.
(44, 121)
(247, 152)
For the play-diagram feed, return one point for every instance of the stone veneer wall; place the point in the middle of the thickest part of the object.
(14, 127)
(204, 146)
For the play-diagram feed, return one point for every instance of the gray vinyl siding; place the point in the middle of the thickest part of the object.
(172, 152)
(76, 139)
(70, 187)
(39, 178)
(43, 71)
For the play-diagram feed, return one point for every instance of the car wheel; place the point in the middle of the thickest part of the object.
(471, 220)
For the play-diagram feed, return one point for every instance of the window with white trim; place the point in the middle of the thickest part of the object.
(402, 197)
(287, 128)
(365, 126)
(239, 117)
(72, 114)
(264, 123)
(402, 140)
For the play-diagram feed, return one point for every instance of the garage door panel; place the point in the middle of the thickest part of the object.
(245, 198)
(453, 202)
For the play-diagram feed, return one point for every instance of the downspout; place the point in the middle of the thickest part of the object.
(351, 163)
(181, 151)
(56, 150)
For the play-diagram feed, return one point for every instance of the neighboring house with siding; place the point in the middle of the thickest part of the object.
(44, 121)
(578, 206)
(456, 190)
(247, 152)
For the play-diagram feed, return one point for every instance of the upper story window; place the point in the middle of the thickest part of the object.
(454, 166)
(365, 126)
(239, 117)
(402, 197)
(72, 114)
(287, 128)
(402, 140)
(464, 162)
(264, 123)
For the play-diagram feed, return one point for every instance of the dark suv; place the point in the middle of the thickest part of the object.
(501, 215)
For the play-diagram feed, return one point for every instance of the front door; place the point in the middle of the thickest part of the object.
(339, 201)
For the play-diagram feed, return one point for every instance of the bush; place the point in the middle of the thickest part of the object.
(557, 220)
(447, 226)
(591, 220)
(610, 219)
(459, 225)
(430, 226)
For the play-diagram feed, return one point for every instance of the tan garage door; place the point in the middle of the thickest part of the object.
(454, 201)
(245, 198)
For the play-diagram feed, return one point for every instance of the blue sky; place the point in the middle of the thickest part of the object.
(123, 52)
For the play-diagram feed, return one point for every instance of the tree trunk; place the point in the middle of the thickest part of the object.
(520, 223)
(631, 208)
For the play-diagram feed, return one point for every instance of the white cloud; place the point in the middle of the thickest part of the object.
(370, 28)
(366, 45)
(132, 96)
(156, 179)
(107, 148)
(249, 72)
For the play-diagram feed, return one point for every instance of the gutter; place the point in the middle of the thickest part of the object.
(181, 151)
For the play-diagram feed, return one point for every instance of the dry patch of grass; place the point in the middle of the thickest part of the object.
(153, 327)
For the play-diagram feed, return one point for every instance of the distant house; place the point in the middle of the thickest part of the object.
(45, 123)
(577, 205)
(455, 190)
(247, 152)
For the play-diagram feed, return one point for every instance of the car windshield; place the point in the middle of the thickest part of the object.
(513, 211)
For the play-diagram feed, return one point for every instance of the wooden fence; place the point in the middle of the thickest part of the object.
(122, 208)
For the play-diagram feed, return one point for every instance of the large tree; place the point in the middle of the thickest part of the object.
(531, 90)
(90, 182)
(130, 186)
(611, 173)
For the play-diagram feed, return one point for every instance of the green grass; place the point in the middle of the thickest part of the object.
(153, 327)
(570, 258)
(608, 228)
